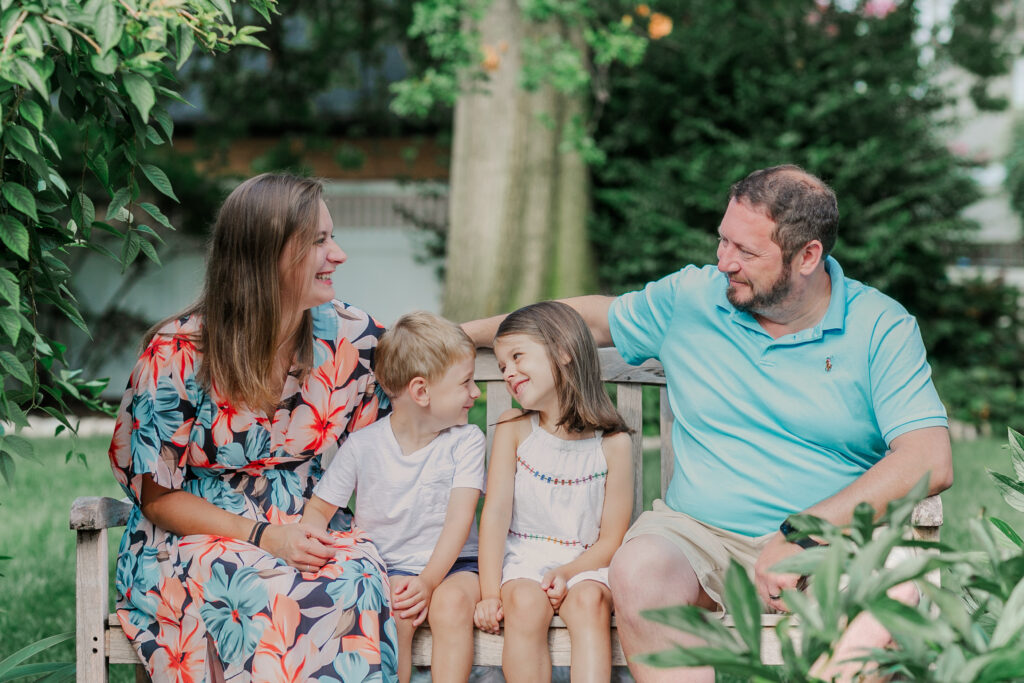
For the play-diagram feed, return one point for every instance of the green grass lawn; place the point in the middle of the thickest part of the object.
(37, 589)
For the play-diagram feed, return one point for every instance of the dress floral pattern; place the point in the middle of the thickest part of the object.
(183, 600)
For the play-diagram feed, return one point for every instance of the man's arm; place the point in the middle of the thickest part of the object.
(592, 307)
(910, 457)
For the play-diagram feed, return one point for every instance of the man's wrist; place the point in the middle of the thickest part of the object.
(787, 530)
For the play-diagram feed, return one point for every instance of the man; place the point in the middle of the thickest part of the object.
(793, 389)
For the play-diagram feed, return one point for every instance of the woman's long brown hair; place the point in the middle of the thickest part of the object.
(240, 301)
(582, 399)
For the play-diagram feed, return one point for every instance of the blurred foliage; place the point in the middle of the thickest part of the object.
(1015, 169)
(105, 72)
(971, 628)
(849, 96)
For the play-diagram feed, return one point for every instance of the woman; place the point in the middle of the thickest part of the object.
(219, 441)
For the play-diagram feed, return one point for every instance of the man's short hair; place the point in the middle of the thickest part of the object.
(419, 344)
(802, 206)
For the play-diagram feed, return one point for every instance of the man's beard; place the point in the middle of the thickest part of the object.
(761, 302)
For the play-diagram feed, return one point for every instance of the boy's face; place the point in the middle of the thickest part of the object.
(454, 393)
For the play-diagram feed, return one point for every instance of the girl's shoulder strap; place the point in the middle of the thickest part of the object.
(534, 421)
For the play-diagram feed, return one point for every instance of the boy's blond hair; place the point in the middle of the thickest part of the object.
(419, 344)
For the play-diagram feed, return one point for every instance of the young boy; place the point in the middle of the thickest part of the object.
(418, 474)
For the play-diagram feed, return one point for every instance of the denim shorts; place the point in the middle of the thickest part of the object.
(463, 564)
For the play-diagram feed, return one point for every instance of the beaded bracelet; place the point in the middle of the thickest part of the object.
(258, 533)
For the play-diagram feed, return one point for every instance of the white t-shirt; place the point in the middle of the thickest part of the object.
(402, 500)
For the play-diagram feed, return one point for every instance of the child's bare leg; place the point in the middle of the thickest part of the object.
(451, 626)
(405, 633)
(587, 612)
(528, 613)
(864, 634)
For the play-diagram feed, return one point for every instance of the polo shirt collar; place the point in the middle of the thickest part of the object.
(835, 315)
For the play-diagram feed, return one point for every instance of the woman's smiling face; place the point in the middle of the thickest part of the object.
(307, 284)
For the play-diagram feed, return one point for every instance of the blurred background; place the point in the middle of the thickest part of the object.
(480, 156)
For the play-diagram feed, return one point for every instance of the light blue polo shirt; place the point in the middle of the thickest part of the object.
(767, 427)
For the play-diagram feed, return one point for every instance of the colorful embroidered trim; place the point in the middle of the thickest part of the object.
(550, 539)
(560, 482)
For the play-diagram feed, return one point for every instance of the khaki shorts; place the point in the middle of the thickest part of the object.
(710, 549)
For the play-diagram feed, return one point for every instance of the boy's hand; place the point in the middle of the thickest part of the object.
(410, 598)
(488, 615)
(553, 584)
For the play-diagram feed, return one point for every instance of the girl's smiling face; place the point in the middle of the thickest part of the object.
(526, 368)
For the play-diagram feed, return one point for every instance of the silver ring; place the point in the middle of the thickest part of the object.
(774, 597)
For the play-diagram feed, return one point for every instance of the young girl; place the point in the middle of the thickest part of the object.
(559, 495)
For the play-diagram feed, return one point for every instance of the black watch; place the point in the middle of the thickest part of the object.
(786, 528)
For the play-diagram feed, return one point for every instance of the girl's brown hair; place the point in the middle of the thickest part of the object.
(241, 298)
(581, 395)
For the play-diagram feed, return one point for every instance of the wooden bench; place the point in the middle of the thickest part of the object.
(101, 642)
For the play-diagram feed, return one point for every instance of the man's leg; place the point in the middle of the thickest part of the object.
(648, 572)
(864, 634)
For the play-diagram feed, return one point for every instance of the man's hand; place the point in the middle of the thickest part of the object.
(554, 584)
(769, 585)
(488, 615)
(410, 598)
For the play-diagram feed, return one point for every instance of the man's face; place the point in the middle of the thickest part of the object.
(758, 278)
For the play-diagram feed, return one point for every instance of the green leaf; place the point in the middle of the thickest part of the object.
(31, 650)
(34, 76)
(1011, 490)
(10, 363)
(161, 116)
(108, 26)
(1007, 531)
(156, 213)
(63, 38)
(129, 250)
(118, 202)
(9, 288)
(10, 323)
(32, 113)
(742, 603)
(225, 7)
(7, 471)
(14, 234)
(149, 251)
(98, 164)
(105, 64)
(696, 621)
(18, 446)
(159, 180)
(82, 209)
(186, 43)
(1016, 440)
(20, 198)
(141, 93)
(20, 136)
(1012, 619)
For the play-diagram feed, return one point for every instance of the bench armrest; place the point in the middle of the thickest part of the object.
(927, 513)
(91, 513)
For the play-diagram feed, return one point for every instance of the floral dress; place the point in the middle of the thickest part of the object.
(184, 600)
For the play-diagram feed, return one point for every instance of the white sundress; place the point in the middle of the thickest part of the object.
(556, 505)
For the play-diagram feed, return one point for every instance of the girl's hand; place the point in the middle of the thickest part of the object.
(300, 545)
(553, 584)
(410, 598)
(488, 615)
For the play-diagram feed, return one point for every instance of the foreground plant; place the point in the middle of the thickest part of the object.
(968, 629)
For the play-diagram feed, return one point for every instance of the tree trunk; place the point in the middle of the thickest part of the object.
(518, 200)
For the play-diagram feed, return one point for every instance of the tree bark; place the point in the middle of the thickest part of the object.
(518, 200)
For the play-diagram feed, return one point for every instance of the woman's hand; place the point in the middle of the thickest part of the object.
(302, 546)
(488, 615)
